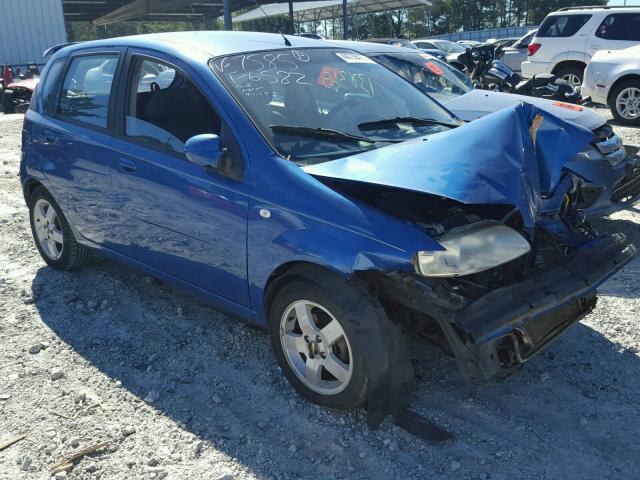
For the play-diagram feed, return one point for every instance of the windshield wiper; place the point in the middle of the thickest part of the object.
(390, 122)
(320, 132)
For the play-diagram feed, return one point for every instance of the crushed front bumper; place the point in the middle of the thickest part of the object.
(495, 334)
(627, 191)
(508, 326)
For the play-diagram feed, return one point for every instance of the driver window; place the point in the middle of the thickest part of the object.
(165, 108)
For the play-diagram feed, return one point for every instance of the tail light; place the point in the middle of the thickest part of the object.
(533, 48)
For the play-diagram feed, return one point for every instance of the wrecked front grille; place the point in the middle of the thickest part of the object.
(609, 144)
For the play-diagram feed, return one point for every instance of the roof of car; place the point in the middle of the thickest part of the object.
(386, 40)
(590, 9)
(213, 43)
(371, 47)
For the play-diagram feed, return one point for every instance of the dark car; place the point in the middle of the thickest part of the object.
(310, 190)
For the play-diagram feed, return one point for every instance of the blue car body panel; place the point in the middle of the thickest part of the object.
(223, 238)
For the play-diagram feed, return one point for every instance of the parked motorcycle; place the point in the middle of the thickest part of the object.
(488, 72)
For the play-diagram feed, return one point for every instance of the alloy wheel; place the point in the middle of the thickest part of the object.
(48, 229)
(573, 79)
(316, 347)
(628, 103)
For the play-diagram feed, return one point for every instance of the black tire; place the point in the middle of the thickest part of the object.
(568, 71)
(364, 323)
(7, 101)
(73, 254)
(633, 83)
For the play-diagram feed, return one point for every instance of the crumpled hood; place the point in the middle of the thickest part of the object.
(478, 103)
(492, 160)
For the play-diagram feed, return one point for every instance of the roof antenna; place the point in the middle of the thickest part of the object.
(273, 26)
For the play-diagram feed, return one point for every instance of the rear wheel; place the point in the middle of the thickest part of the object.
(625, 102)
(573, 75)
(327, 340)
(7, 101)
(53, 236)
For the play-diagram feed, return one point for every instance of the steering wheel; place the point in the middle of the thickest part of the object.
(351, 103)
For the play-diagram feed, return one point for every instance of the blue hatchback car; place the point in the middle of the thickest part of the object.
(310, 190)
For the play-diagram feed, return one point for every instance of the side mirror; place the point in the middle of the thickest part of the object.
(204, 150)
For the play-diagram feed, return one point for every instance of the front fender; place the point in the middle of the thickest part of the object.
(278, 236)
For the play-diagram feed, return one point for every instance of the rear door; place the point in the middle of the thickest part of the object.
(615, 32)
(173, 215)
(75, 139)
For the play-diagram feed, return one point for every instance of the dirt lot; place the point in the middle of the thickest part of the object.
(183, 392)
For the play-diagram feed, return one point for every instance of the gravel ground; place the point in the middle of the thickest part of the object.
(181, 391)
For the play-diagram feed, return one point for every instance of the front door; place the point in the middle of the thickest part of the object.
(173, 215)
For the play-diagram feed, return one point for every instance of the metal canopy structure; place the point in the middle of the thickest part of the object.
(102, 12)
(315, 11)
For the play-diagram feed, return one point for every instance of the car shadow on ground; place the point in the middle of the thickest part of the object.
(216, 377)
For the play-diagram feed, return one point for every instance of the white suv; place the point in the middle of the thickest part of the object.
(567, 39)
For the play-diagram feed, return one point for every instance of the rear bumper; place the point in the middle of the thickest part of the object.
(492, 336)
(529, 68)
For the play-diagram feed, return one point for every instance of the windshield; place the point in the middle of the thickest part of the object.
(319, 104)
(449, 47)
(432, 76)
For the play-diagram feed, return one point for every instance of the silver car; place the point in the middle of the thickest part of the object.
(612, 78)
(517, 53)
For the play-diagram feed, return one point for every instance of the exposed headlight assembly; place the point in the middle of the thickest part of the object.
(472, 249)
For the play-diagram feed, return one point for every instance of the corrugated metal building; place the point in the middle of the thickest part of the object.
(27, 28)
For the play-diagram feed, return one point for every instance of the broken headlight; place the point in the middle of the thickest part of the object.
(472, 249)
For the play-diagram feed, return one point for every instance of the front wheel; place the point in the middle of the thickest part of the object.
(625, 102)
(52, 234)
(328, 341)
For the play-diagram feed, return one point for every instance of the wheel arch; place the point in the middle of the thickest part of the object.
(29, 186)
(624, 78)
(568, 63)
(298, 269)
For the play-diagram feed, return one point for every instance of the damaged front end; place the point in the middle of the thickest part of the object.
(494, 322)
(519, 264)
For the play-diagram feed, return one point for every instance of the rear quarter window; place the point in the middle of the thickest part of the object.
(86, 89)
(562, 25)
(47, 88)
(620, 26)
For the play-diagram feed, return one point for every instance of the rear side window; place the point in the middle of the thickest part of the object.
(620, 26)
(562, 25)
(47, 89)
(524, 41)
(165, 107)
(86, 89)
